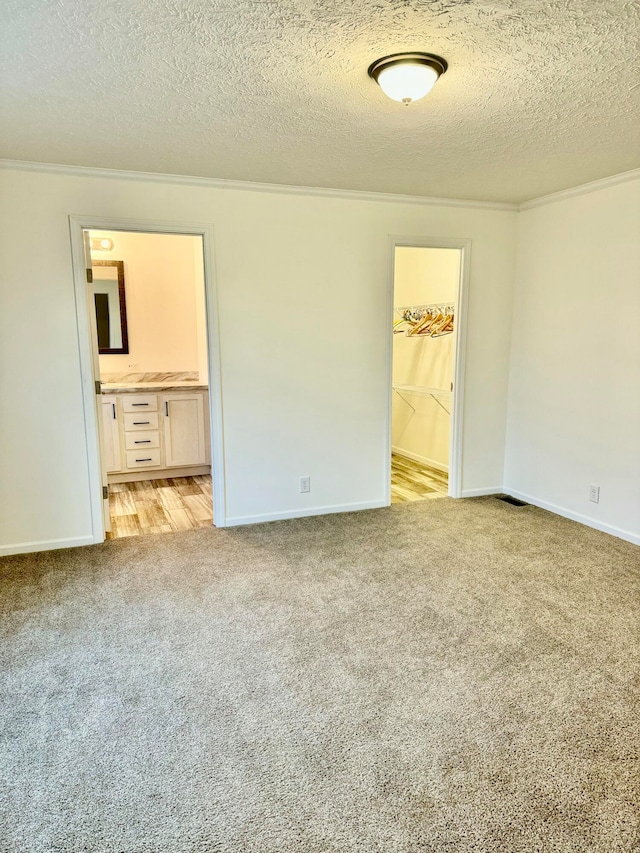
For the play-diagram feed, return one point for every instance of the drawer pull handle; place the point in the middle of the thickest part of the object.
(166, 408)
(141, 423)
(113, 406)
(149, 459)
(143, 441)
(139, 404)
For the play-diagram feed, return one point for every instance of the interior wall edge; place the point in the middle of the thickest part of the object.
(511, 373)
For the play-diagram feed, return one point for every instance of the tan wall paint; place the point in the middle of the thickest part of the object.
(164, 286)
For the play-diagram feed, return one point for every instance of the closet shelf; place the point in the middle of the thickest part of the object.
(423, 391)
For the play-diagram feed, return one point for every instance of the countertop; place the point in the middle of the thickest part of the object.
(150, 387)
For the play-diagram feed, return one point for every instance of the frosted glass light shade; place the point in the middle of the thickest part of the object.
(408, 82)
(407, 77)
(102, 244)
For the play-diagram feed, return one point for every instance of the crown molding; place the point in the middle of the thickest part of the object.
(319, 192)
(250, 186)
(582, 189)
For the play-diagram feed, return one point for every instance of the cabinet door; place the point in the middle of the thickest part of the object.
(184, 429)
(111, 435)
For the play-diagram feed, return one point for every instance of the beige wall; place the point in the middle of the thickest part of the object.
(420, 424)
(302, 291)
(164, 287)
(574, 401)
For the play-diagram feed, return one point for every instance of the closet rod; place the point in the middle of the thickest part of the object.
(443, 307)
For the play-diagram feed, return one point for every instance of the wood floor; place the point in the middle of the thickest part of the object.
(160, 506)
(412, 481)
(184, 503)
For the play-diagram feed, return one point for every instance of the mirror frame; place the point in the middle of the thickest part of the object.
(124, 349)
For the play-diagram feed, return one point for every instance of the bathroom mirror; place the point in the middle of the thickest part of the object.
(111, 307)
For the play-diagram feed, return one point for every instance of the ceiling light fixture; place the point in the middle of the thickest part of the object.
(407, 77)
(102, 244)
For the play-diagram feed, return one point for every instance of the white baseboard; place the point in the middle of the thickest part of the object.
(477, 493)
(627, 535)
(422, 459)
(302, 513)
(45, 545)
(158, 474)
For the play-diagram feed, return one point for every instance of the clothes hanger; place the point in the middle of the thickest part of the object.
(443, 328)
(426, 321)
(422, 324)
(434, 319)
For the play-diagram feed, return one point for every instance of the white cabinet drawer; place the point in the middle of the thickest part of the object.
(140, 420)
(141, 439)
(139, 402)
(143, 458)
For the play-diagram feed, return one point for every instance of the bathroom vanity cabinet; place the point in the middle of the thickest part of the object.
(150, 436)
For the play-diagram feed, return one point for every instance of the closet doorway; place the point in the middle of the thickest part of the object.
(428, 293)
(148, 344)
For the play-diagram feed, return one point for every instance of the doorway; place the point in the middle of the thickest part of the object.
(425, 416)
(148, 340)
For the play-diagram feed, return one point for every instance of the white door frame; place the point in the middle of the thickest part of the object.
(459, 348)
(78, 223)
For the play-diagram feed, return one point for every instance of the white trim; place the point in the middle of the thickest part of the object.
(303, 513)
(478, 493)
(627, 535)
(388, 372)
(45, 545)
(460, 355)
(76, 224)
(399, 451)
(251, 186)
(92, 445)
(323, 192)
(581, 189)
(459, 346)
(138, 476)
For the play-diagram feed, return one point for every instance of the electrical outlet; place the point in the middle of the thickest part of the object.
(594, 494)
(305, 484)
(135, 364)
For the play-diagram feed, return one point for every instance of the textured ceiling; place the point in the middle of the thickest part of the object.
(540, 94)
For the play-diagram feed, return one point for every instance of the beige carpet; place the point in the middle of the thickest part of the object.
(439, 677)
